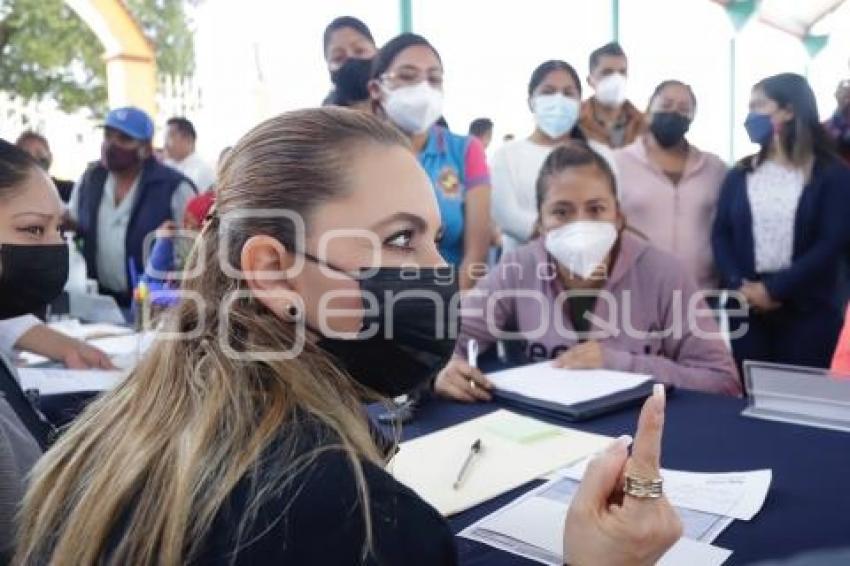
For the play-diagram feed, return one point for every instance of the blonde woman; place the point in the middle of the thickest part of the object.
(218, 450)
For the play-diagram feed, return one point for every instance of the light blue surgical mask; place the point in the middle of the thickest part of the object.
(555, 114)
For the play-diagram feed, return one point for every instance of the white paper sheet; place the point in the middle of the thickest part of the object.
(57, 381)
(429, 465)
(736, 494)
(533, 526)
(124, 350)
(30, 359)
(739, 495)
(704, 527)
(82, 331)
(127, 344)
(698, 525)
(564, 386)
(694, 553)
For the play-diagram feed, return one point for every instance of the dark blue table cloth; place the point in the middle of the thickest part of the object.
(807, 507)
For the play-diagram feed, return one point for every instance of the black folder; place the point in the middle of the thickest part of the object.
(578, 411)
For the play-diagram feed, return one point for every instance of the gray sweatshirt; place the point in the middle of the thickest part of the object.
(18, 454)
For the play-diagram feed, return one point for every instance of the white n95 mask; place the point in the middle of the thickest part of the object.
(415, 108)
(555, 114)
(581, 246)
(611, 91)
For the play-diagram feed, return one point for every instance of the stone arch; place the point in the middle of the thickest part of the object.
(129, 56)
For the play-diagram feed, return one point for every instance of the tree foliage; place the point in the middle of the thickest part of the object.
(47, 51)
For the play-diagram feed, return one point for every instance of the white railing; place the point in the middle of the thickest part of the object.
(74, 138)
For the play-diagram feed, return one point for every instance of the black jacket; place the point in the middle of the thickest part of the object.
(316, 517)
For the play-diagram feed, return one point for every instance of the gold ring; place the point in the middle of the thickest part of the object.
(643, 488)
(472, 384)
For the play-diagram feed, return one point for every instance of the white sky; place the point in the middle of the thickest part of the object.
(489, 50)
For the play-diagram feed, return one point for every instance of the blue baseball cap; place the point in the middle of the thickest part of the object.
(132, 121)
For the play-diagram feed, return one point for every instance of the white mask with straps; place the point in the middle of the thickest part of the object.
(582, 246)
(611, 91)
(415, 108)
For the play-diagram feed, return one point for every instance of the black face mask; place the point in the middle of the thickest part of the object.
(31, 277)
(669, 128)
(352, 81)
(408, 328)
(118, 159)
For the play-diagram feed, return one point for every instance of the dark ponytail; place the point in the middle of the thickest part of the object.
(569, 156)
(387, 54)
(539, 75)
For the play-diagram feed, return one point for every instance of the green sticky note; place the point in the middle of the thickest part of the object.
(522, 429)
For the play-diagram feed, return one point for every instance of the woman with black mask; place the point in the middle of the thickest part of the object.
(244, 441)
(352, 85)
(33, 270)
(782, 227)
(668, 187)
(348, 48)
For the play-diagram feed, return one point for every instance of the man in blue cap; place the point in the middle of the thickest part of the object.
(122, 198)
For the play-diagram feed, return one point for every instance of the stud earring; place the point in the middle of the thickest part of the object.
(293, 312)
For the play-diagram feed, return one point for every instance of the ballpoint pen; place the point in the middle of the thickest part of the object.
(474, 450)
(472, 352)
(472, 358)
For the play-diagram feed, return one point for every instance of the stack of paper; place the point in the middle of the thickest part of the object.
(124, 350)
(515, 450)
(83, 331)
(60, 381)
(739, 495)
(564, 386)
(532, 526)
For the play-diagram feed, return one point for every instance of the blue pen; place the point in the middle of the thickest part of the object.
(134, 275)
(135, 308)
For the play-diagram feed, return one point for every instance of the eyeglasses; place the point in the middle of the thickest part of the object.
(410, 77)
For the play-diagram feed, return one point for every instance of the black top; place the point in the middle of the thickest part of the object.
(65, 188)
(579, 307)
(317, 519)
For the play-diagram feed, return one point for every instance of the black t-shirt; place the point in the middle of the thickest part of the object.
(318, 519)
(65, 188)
(579, 307)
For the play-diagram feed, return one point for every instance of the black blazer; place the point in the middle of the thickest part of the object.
(821, 234)
(316, 517)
